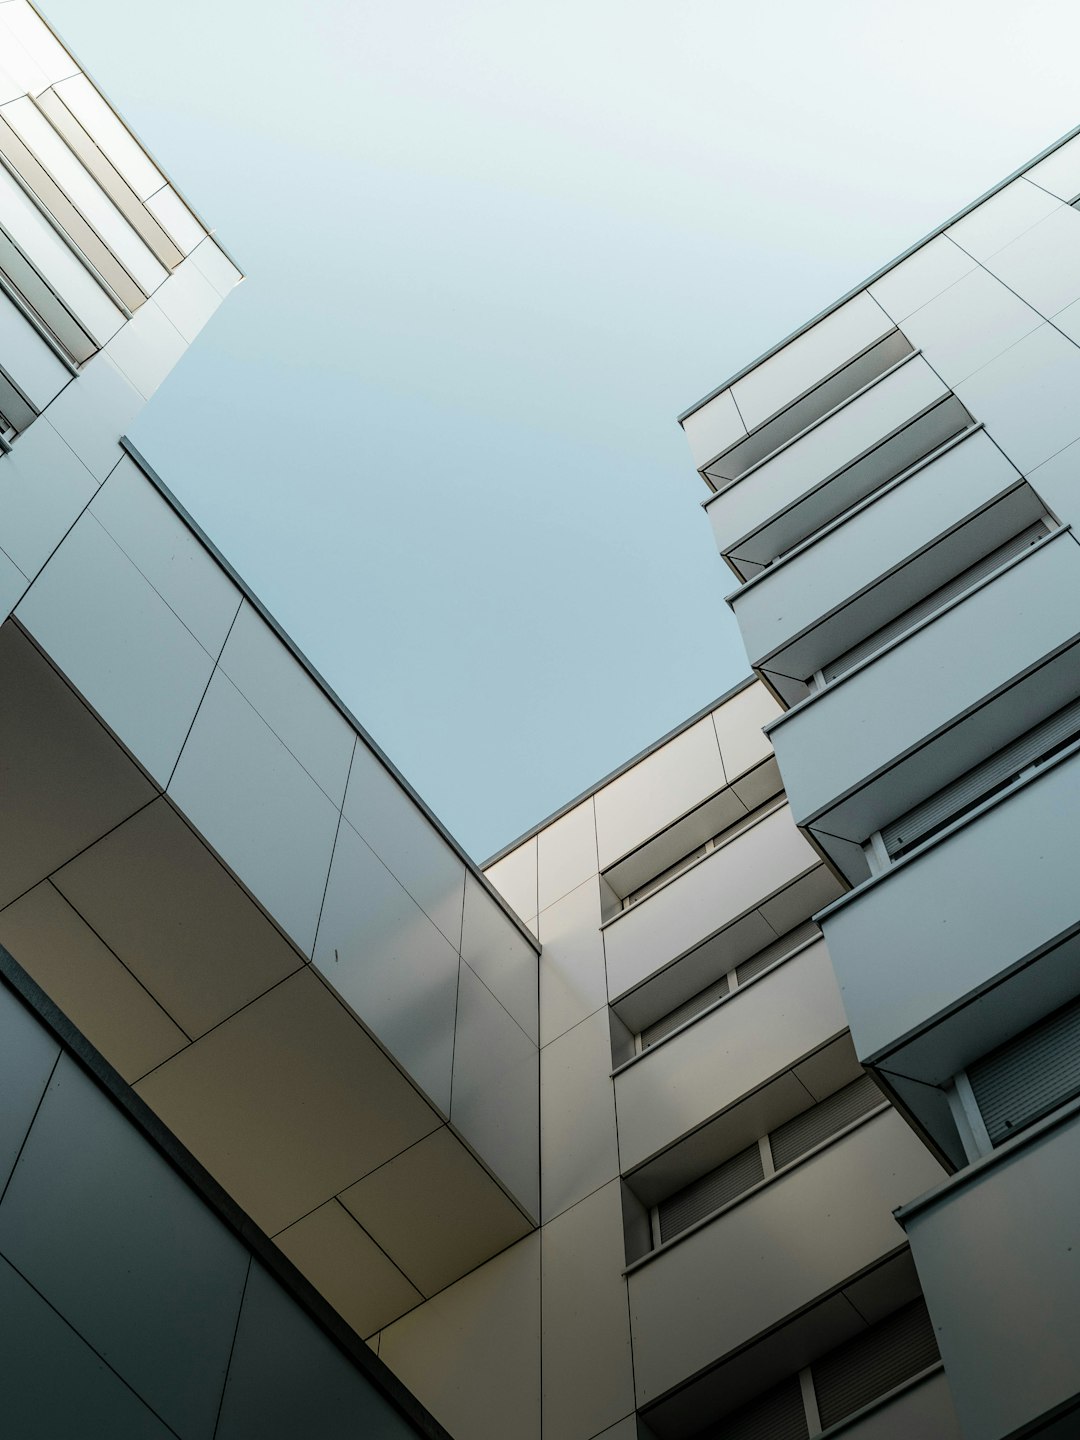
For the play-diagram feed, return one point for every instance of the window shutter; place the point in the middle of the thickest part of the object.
(703, 1196)
(798, 1136)
(683, 1012)
(981, 782)
(777, 1415)
(1030, 1075)
(874, 1363)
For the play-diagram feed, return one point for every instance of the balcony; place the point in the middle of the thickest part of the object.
(1005, 1295)
(884, 556)
(885, 429)
(718, 1286)
(937, 961)
(935, 702)
(730, 1075)
(727, 885)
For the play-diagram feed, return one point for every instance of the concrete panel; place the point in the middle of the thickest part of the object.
(348, 1268)
(658, 790)
(566, 854)
(167, 554)
(572, 975)
(85, 979)
(587, 1369)
(579, 1145)
(495, 1099)
(176, 918)
(436, 1210)
(303, 718)
(259, 809)
(121, 646)
(288, 1102)
(501, 956)
(1009, 1330)
(487, 1326)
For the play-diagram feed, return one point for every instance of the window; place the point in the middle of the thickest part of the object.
(1029, 1076)
(773, 1152)
(839, 1384)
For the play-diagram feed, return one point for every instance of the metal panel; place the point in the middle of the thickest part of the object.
(778, 1415)
(969, 324)
(933, 268)
(1001, 218)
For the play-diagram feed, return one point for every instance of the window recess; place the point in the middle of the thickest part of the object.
(715, 842)
(726, 984)
(933, 602)
(839, 1384)
(773, 1152)
(1029, 1076)
(1025, 755)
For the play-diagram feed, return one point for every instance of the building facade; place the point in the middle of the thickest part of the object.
(738, 1099)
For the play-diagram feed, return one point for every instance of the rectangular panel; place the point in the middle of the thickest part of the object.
(175, 562)
(187, 299)
(387, 960)
(849, 1190)
(495, 1101)
(495, 950)
(119, 644)
(147, 348)
(579, 1149)
(970, 324)
(1059, 172)
(41, 45)
(258, 808)
(514, 877)
(288, 1102)
(92, 415)
(1009, 1331)
(406, 841)
(713, 427)
(487, 1325)
(566, 854)
(24, 283)
(572, 976)
(1001, 218)
(588, 1374)
(828, 344)
(303, 718)
(1043, 265)
(1026, 397)
(726, 884)
(731, 1051)
(659, 789)
(93, 1210)
(933, 268)
(167, 207)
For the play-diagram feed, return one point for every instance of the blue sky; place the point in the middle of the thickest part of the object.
(493, 249)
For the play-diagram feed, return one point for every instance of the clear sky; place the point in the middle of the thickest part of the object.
(493, 249)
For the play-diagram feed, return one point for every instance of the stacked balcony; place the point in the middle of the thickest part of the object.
(910, 593)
